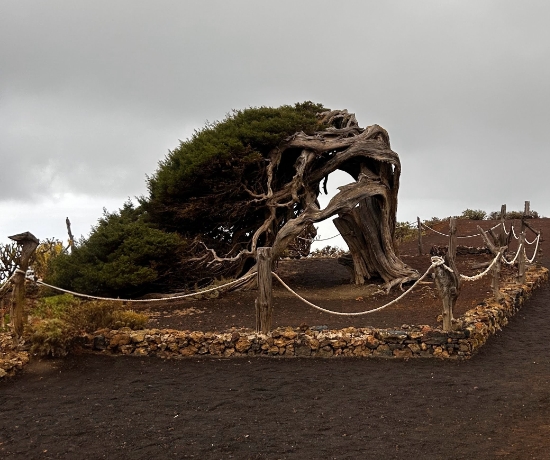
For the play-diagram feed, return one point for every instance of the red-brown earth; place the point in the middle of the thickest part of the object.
(495, 405)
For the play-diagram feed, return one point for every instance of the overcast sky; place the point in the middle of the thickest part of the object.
(94, 93)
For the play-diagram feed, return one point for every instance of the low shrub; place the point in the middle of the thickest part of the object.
(328, 251)
(405, 231)
(129, 318)
(511, 215)
(57, 320)
(473, 214)
(51, 337)
(433, 221)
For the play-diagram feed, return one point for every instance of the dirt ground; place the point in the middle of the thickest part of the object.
(496, 405)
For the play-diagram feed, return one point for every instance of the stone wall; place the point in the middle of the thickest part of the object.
(12, 358)
(471, 331)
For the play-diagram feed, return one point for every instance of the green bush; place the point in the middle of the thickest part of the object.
(405, 231)
(328, 251)
(46, 252)
(511, 215)
(51, 337)
(124, 256)
(473, 214)
(128, 318)
(57, 320)
(199, 196)
(433, 221)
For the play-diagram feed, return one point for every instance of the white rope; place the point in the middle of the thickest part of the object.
(507, 232)
(434, 264)
(439, 261)
(435, 231)
(314, 240)
(514, 233)
(529, 243)
(482, 274)
(512, 262)
(6, 285)
(465, 236)
(76, 294)
(536, 250)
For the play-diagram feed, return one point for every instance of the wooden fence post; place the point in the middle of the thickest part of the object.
(28, 243)
(420, 248)
(452, 239)
(495, 282)
(497, 252)
(448, 283)
(264, 301)
(521, 243)
(503, 237)
(521, 258)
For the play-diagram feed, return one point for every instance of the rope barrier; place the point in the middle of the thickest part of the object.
(359, 313)
(436, 261)
(512, 262)
(465, 236)
(192, 294)
(529, 243)
(482, 274)
(514, 233)
(433, 230)
(536, 250)
(313, 240)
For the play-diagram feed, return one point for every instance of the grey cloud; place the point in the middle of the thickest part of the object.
(92, 94)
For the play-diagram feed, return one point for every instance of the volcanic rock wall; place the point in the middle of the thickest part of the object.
(471, 331)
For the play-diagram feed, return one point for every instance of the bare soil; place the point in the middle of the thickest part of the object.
(496, 405)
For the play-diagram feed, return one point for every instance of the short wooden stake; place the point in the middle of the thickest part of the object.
(420, 248)
(264, 301)
(28, 243)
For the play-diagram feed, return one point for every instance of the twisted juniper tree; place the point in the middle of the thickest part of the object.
(254, 179)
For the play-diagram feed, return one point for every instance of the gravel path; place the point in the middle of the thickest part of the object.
(496, 405)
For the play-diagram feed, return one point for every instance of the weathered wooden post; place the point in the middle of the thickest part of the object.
(71, 237)
(448, 282)
(28, 243)
(503, 237)
(521, 258)
(264, 302)
(521, 243)
(495, 282)
(420, 248)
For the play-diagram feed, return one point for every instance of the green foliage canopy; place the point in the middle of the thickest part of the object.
(198, 188)
(124, 255)
(200, 191)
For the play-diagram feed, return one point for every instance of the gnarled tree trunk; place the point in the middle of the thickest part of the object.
(365, 209)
